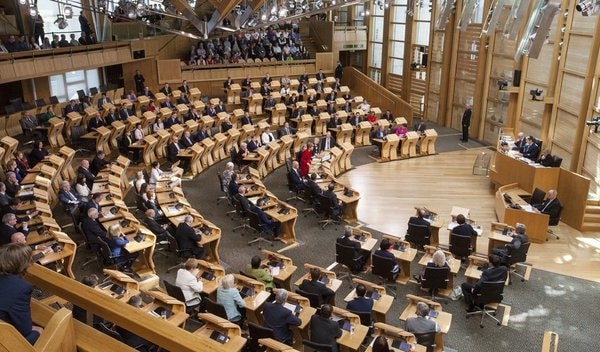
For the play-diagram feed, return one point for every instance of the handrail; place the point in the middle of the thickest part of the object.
(29, 54)
(350, 28)
(248, 64)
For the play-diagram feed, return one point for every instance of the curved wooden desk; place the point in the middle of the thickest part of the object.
(536, 222)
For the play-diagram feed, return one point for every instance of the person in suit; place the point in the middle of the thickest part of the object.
(530, 150)
(519, 237)
(495, 272)
(360, 256)
(466, 122)
(184, 88)
(125, 146)
(419, 125)
(422, 323)
(125, 112)
(210, 111)
(192, 115)
(187, 140)
(336, 205)
(328, 142)
(227, 84)
(167, 104)
(545, 158)
(173, 149)
(117, 242)
(8, 228)
(188, 238)
(360, 303)
(140, 82)
(160, 230)
(94, 233)
(98, 163)
(265, 90)
(201, 134)
(316, 146)
(551, 206)
(103, 100)
(520, 141)
(95, 122)
(246, 83)
(354, 120)
(166, 90)
(267, 136)
(15, 309)
(148, 93)
(233, 187)
(12, 184)
(385, 251)
(4, 198)
(314, 286)
(279, 319)
(286, 130)
(323, 330)
(320, 76)
(246, 119)
(312, 184)
(419, 220)
(270, 226)
(295, 178)
(254, 144)
(72, 107)
(172, 120)
(183, 99)
(220, 107)
(463, 228)
(84, 169)
(303, 78)
(387, 115)
(111, 117)
(69, 199)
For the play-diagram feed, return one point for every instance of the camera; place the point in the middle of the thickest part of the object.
(594, 122)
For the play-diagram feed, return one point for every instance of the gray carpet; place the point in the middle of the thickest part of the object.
(547, 302)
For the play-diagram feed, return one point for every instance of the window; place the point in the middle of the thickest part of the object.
(398, 33)
(66, 85)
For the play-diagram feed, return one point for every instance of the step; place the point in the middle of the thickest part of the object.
(592, 209)
(593, 218)
(590, 227)
(593, 202)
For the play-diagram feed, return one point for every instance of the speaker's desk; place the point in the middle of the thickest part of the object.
(521, 211)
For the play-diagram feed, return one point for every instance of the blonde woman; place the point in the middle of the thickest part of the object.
(438, 260)
(229, 297)
(188, 279)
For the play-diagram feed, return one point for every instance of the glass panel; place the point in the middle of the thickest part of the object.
(398, 31)
(400, 2)
(422, 37)
(75, 76)
(377, 29)
(74, 87)
(422, 11)
(398, 49)
(378, 9)
(397, 66)
(399, 14)
(92, 78)
(57, 87)
(376, 53)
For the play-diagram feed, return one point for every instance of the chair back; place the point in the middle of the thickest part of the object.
(174, 291)
(519, 255)
(254, 221)
(435, 278)
(106, 253)
(313, 298)
(490, 292)
(537, 197)
(140, 202)
(427, 339)
(553, 221)
(214, 308)
(324, 205)
(556, 161)
(174, 247)
(418, 234)
(310, 346)
(346, 256)
(460, 246)
(383, 267)
(366, 318)
(257, 332)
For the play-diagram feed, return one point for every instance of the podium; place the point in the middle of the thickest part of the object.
(219, 148)
(305, 124)
(261, 164)
(340, 103)
(74, 119)
(247, 132)
(301, 138)
(336, 154)
(195, 93)
(102, 140)
(182, 109)
(233, 94)
(160, 97)
(148, 119)
(236, 116)
(272, 163)
(196, 151)
(150, 143)
(409, 147)
(55, 137)
(68, 173)
(177, 131)
(428, 142)
(176, 94)
(163, 137)
(344, 161)
(260, 128)
(214, 324)
(207, 159)
(206, 120)
(344, 134)
(342, 116)
(191, 126)
(362, 135)
(294, 83)
(285, 152)
(221, 116)
(400, 121)
(357, 101)
(389, 147)
(377, 112)
(275, 85)
(165, 113)
(233, 137)
(132, 121)
(321, 105)
(255, 105)
(278, 116)
(321, 123)
(10, 146)
(199, 105)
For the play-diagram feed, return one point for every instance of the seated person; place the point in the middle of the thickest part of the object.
(314, 286)
(550, 206)
(518, 238)
(70, 200)
(385, 251)
(336, 205)
(80, 313)
(495, 272)
(463, 228)
(260, 274)
(422, 323)
(311, 183)
(188, 238)
(269, 226)
(323, 329)
(129, 338)
(418, 220)
(295, 178)
(545, 158)
(92, 229)
(360, 303)
(504, 147)
(360, 256)
(438, 260)
(530, 149)
(117, 242)
(160, 230)
(229, 297)
(279, 319)
(188, 280)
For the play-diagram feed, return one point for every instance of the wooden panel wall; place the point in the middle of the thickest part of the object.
(169, 71)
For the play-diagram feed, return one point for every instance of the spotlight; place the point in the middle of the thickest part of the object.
(535, 94)
(594, 122)
(61, 22)
(33, 11)
(22, 2)
(102, 4)
(502, 84)
(367, 13)
(588, 7)
(68, 11)
(131, 13)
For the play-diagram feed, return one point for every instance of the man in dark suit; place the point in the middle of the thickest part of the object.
(94, 123)
(314, 286)
(103, 100)
(530, 150)
(246, 83)
(303, 78)
(183, 99)
(360, 256)
(172, 120)
(166, 90)
(72, 107)
(320, 75)
(9, 221)
(94, 232)
(419, 219)
(4, 198)
(184, 88)
(159, 230)
(550, 206)
(463, 228)
(312, 184)
(336, 205)
(125, 112)
(279, 319)
(148, 93)
(328, 142)
(286, 130)
(384, 251)
(419, 125)
(125, 146)
(111, 117)
(201, 134)
(220, 107)
(233, 187)
(354, 119)
(69, 199)
(84, 169)
(388, 116)
(466, 122)
(518, 238)
(422, 323)
(167, 104)
(227, 84)
(192, 115)
(98, 163)
(496, 272)
(187, 140)
(246, 119)
(173, 149)
(187, 238)
(295, 178)
(323, 330)
(360, 303)
(140, 82)
(94, 202)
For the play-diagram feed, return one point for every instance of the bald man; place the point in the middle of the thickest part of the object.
(19, 237)
(550, 206)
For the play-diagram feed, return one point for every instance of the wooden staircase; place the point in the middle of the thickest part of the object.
(591, 217)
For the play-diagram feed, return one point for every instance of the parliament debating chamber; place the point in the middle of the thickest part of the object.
(236, 175)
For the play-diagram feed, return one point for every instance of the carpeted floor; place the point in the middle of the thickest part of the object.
(546, 302)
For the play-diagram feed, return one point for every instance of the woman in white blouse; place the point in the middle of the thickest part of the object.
(158, 125)
(82, 188)
(155, 174)
(189, 281)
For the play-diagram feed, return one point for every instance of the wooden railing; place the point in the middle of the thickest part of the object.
(377, 95)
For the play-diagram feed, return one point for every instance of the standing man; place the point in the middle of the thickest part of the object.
(140, 82)
(466, 122)
(339, 71)
(85, 25)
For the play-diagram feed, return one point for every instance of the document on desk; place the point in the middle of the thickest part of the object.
(529, 208)
(253, 200)
(275, 271)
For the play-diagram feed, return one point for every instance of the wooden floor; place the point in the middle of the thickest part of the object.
(391, 190)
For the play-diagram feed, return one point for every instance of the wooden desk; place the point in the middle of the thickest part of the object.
(350, 214)
(130, 286)
(177, 308)
(301, 331)
(349, 341)
(210, 242)
(284, 276)
(403, 258)
(505, 170)
(473, 274)
(287, 222)
(394, 333)
(255, 302)
(536, 222)
(63, 260)
(477, 228)
(210, 286)
(452, 262)
(497, 239)
(213, 323)
(334, 284)
(444, 319)
(381, 305)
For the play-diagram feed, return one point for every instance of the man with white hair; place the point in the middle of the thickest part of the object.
(187, 237)
(69, 199)
(19, 237)
(279, 318)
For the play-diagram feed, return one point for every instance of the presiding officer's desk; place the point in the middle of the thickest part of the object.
(286, 268)
(536, 222)
(393, 333)
(443, 319)
(404, 256)
(333, 283)
(381, 305)
(213, 323)
(453, 263)
(506, 169)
